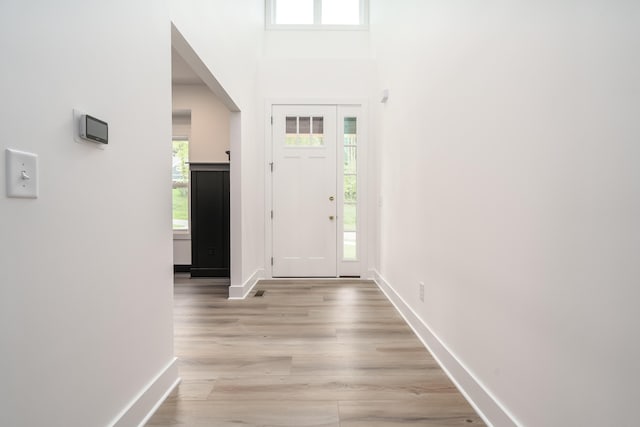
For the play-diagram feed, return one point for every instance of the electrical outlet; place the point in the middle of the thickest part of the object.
(421, 287)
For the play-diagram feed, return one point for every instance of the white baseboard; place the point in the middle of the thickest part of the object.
(149, 400)
(241, 292)
(487, 406)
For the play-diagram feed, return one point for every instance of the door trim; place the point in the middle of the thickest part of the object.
(364, 173)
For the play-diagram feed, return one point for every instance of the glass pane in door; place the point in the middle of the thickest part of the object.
(350, 190)
(304, 131)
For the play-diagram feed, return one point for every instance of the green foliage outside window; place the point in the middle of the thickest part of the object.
(180, 179)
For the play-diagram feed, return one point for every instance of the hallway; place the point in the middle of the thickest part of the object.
(306, 353)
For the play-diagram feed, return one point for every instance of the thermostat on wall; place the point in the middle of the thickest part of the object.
(89, 130)
(94, 129)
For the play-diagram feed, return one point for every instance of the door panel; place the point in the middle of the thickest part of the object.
(304, 191)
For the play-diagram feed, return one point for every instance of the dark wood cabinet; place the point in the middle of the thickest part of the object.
(210, 220)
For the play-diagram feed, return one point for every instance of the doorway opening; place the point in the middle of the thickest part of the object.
(194, 68)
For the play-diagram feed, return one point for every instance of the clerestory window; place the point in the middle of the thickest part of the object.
(317, 14)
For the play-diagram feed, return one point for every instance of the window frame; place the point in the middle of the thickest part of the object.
(270, 17)
(181, 233)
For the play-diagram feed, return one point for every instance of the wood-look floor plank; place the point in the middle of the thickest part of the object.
(353, 363)
(198, 389)
(306, 353)
(432, 410)
(211, 367)
(247, 414)
(323, 387)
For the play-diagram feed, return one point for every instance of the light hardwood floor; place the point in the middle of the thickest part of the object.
(307, 353)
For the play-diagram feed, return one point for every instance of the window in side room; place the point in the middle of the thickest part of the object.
(180, 183)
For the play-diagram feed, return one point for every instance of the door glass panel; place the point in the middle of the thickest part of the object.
(318, 125)
(350, 126)
(349, 233)
(350, 217)
(350, 189)
(304, 131)
(292, 125)
(291, 136)
(350, 164)
(304, 125)
(350, 248)
(317, 136)
(350, 186)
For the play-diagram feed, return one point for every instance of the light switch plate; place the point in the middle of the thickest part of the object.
(22, 174)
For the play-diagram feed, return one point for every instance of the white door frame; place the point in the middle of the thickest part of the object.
(360, 269)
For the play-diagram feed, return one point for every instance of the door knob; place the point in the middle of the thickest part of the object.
(332, 198)
(331, 217)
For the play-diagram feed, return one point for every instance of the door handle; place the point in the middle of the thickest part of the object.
(332, 198)
(331, 217)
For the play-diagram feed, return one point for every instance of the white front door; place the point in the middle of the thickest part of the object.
(304, 191)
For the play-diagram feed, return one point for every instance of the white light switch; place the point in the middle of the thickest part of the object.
(22, 174)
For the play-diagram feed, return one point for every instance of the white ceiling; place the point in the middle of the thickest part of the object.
(181, 72)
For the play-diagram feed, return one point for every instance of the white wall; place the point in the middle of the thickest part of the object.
(328, 79)
(316, 65)
(510, 185)
(209, 136)
(209, 123)
(85, 269)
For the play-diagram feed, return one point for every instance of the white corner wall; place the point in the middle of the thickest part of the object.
(510, 186)
(86, 269)
(316, 65)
